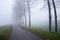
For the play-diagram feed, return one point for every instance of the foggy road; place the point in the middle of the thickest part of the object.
(20, 34)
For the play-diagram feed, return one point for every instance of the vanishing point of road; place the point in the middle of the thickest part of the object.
(20, 34)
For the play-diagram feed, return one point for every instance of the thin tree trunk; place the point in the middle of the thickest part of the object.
(56, 30)
(24, 13)
(25, 20)
(29, 13)
(49, 15)
(25, 17)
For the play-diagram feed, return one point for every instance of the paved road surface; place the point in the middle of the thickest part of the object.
(20, 34)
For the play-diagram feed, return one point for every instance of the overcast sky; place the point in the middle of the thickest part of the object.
(6, 10)
(37, 14)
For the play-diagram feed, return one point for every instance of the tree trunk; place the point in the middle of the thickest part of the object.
(25, 17)
(49, 15)
(29, 13)
(55, 15)
(24, 13)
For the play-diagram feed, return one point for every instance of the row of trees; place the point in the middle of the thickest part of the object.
(55, 13)
(49, 8)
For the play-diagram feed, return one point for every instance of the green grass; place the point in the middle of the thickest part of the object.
(5, 32)
(43, 34)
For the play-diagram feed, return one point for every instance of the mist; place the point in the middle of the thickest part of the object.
(11, 12)
(6, 10)
(29, 19)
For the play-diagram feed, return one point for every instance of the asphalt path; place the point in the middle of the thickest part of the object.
(20, 34)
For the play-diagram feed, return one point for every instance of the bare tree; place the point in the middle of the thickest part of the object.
(29, 13)
(25, 21)
(25, 17)
(49, 14)
(55, 15)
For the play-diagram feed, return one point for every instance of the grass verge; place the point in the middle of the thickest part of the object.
(44, 34)
(5, 32)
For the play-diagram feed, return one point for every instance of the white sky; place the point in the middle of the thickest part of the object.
(6, 9)
(37, 15)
